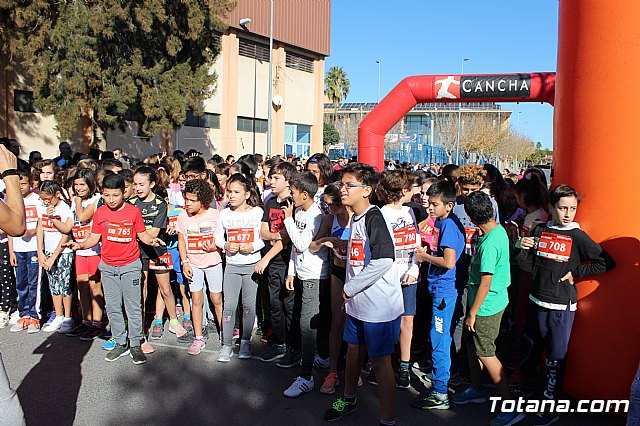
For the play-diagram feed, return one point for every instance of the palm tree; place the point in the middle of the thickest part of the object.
(336, 87)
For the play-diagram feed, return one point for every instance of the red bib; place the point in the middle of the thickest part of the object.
(405, 238)
(356, 252)
(81, 232)
(31, 212)
(195, 242)
(240, 235)
(471, 239)
(555, 247)
(162, 263)
(47, 224)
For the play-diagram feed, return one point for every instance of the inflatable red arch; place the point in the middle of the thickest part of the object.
(596, 150)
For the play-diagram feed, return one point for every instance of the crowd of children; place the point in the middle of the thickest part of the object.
(339, 268)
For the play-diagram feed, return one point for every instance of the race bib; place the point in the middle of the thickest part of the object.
(240, 235)
(555, 247)
(356, 252)
(47, 224)
(120, 232)
(471, 240)
(162, 263)
(172, 221)
(31, 212)
(405, 238)
(195, 242)
(435, 236)
(81, 232)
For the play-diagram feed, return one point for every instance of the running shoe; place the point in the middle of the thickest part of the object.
(147, 348)
(156, 330)
(177, 329)
(79, 329)
(34, 326)
(187, 338)
(372, 380)
(53, 324)
(67, 325)
(340, 408)
(109, 344)
(226, 352)
(198, 345)
(299, 386)
(92, 333)
(275, 353)
(431, 401)
(507, 419)
(330, 383)
(14, 317)
(245, 350)
(319, 362)
(403, 379)
(187, 324)
(290, 359)
(137, 355)
(21, 324)
(470, 395)
(4, 319)
(118, 352)
(543, 419)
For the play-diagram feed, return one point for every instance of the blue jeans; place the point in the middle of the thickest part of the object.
(28, 284)
(633, 418)
(441, 336)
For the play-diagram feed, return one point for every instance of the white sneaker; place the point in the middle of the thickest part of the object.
(320, 362)
(226, 352)
(245, 350)
(14, 317)
(20, 325)
(299, 386)
(67, 325)
(54, 325)
(4, 319)
(34, 326)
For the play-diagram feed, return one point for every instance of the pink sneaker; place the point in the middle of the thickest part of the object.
(177, 329)
(147, 348)
(197, 345)
(330, 383)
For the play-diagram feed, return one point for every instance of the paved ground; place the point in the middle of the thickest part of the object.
(63, 381)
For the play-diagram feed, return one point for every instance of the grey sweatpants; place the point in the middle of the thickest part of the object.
(236, 278)
(122, 285)
(10, 410)
(310, 308)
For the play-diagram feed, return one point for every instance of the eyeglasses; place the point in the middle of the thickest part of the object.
(190, 176)
(350, 185)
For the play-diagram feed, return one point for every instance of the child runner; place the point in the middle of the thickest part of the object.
(177, 276)
(489, 277)
(238, 233)
(117, 223)
(23, 255)
(310, 268)
(372, 293)
(155, 259)
(54, 223)
(395, 189)
(442, 286)
(200, 258)
(334, 234)
(88, 277)
(560, 252)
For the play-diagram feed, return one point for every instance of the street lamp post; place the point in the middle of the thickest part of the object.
(378, 62)
(459, 117)
(243, 23)
(270, 96)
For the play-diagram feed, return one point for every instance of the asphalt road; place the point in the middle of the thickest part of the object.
(64, 381)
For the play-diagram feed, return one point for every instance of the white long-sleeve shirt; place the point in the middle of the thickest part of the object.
(302, 229)
(240, 227)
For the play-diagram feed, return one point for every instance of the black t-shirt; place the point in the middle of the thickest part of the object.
(418, 211)
(274, 216)
(154, 215)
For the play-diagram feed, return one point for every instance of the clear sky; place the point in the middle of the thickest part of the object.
(412, 37)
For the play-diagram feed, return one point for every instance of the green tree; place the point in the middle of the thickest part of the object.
(336, 87)
(330, 135)
(104, 59)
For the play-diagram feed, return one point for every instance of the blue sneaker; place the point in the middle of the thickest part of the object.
(507, 419)
(109, 344)
(543, 419)
(51, 317)
(470, 395)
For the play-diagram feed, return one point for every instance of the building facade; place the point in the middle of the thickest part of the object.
(235, 117)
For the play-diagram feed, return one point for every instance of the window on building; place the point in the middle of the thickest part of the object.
(23, 101)
(299, 62)
(418, 124)
(297, 139)
(206, 120)
(248, 124)
(253, 50)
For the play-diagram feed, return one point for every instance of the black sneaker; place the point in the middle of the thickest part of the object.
(431, 401)
(340, 408)
(290, 359)
(137, 355)
(186, 338)
(372, 378)
(78, 330)
(117, 352)
(275, 353)
(403, 379)
(91, 333)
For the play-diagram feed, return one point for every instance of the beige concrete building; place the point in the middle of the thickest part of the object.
(235, 118)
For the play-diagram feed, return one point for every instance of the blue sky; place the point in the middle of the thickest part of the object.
(412, 37)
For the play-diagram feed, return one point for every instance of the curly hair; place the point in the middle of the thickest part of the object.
(201, 189)
(390, 187)
(470, 174)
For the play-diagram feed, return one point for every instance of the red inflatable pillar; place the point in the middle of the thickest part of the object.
(596, 147)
